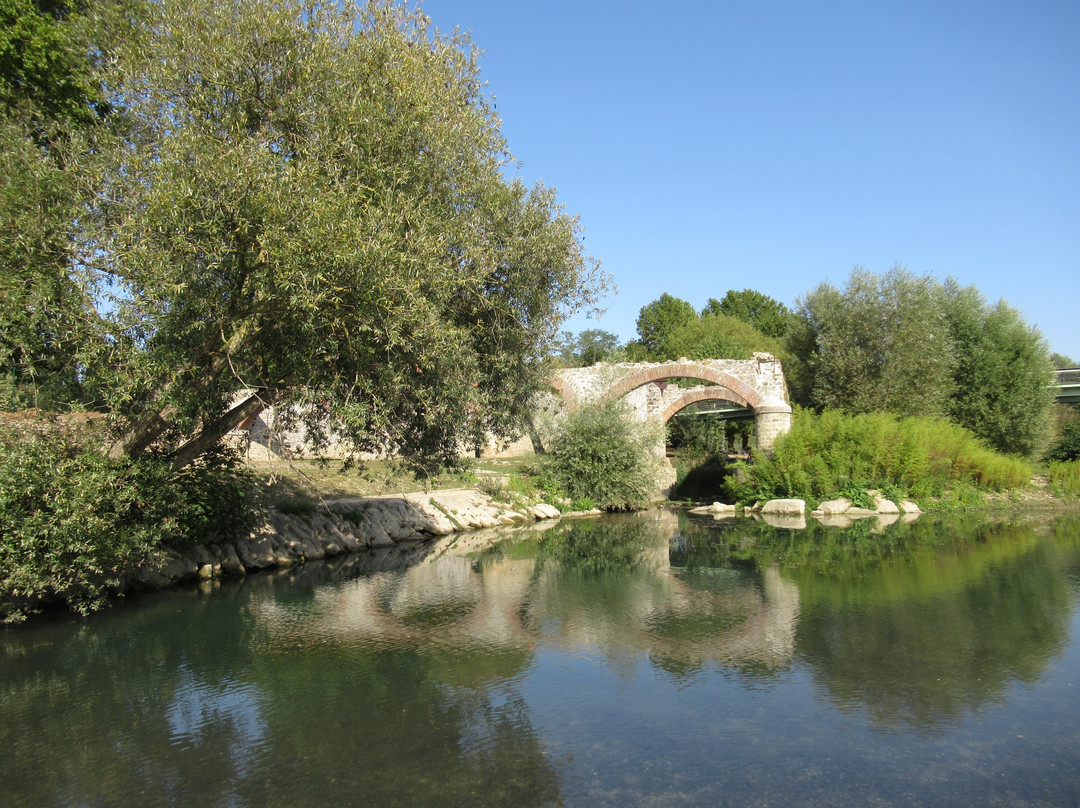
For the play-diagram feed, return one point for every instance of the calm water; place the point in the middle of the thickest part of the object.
(654, 660)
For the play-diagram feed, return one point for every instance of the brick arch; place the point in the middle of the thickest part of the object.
(741, 393)
(565, 392)
(694, 396)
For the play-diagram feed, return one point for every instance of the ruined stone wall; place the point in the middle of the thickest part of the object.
(762, 374)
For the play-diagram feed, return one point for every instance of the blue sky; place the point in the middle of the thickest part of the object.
(720, 145)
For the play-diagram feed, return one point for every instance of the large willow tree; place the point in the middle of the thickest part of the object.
(306, 202)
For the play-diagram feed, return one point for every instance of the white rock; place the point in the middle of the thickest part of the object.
(835, 506)
(787, 506)
(887, 506)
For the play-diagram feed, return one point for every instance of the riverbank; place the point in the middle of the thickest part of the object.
(337, 527)
(340, 527)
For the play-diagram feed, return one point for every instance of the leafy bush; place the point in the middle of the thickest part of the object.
(1068, 445)
(600, 452)
(829, 454)
(583, 504)
(72, 520)
(493, 486)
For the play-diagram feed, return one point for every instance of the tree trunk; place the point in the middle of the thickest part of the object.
(221, 426)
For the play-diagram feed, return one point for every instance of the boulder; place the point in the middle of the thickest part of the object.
(230, 562)
(882, 505)
(833, 507)
(544, 511)
(795, 507)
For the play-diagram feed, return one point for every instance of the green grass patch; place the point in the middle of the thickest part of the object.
(1064, 477)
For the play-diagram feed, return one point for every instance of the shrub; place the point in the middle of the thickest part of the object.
(296, 504)
(1068, 445)
(829, 454)
(601, 453)
(72, 520)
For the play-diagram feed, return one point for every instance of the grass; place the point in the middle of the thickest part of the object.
(1064, 477)
(300, 484)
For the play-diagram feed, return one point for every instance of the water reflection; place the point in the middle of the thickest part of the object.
(607, 585)
(648, 658)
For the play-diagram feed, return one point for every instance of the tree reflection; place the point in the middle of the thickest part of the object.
(181, 701)
(922, 623)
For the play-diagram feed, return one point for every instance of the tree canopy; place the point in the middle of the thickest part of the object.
(766, 314)
(1061, 361)
(52, 105)
(911, 345)
(659, 320)
(669, 327)
(304, 203)
(589, 347)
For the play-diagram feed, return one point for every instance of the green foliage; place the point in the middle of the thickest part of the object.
(912, 346)
(290, 202)
(583, 504)
(43, 63)
(494, 486)
(52, 113)
(1001, 372)
(658, 322)
(699, 435)
(214, 497)
(832, 454)
(718, 336)
(766, 314)
(602, 453)
(588, 347)
(72, 520)
(1061, 361)
(1068, 445)
(880, 344)
(1064, 476)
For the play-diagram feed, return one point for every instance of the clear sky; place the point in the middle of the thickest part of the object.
(720, 145)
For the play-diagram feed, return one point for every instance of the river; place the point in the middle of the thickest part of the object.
(655, 659)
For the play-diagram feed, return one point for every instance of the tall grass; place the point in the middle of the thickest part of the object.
(827, 454)
(1065, 476)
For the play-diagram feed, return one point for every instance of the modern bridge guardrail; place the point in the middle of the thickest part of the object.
(1067, 385)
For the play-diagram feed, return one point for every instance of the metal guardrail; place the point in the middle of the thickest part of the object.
(1067, 385)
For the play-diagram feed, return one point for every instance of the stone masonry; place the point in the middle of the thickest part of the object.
(756, 384)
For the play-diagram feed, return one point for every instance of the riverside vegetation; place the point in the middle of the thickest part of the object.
(156, 243)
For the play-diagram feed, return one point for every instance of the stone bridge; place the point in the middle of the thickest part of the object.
(756, 384)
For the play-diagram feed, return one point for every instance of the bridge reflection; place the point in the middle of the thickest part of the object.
(541, 592)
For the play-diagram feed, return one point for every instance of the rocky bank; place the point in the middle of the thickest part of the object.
(338, 527)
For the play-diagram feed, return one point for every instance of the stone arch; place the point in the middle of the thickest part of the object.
(702, 394)
(565, 392)
(743, 394)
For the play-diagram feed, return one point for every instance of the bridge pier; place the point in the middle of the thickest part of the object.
(771, 420)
